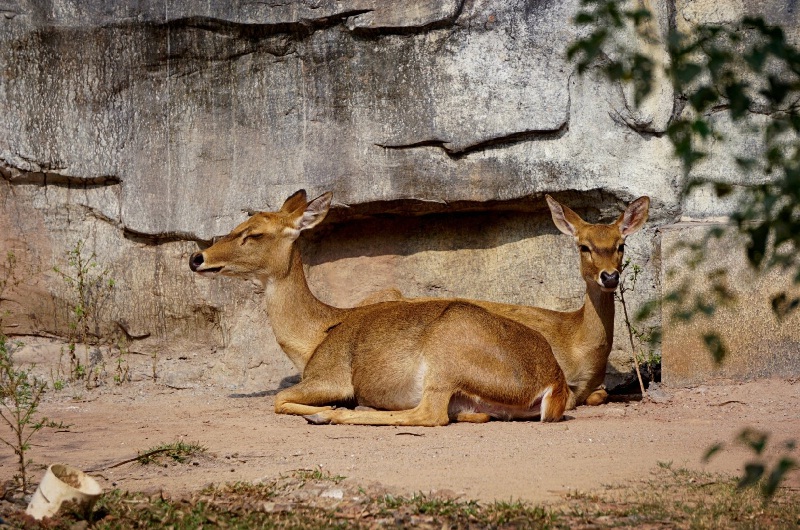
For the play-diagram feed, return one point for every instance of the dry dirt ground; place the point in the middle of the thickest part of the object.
(612, 444)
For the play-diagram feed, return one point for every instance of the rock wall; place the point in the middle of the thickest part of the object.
(144, 129)
(759, 343)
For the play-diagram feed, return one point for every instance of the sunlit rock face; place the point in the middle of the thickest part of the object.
(141, 130)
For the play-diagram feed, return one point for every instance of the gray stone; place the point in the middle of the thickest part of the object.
(658, 394)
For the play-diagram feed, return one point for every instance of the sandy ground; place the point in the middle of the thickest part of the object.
(595, 446)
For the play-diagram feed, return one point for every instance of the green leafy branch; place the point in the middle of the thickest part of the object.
(747, 72)
(750, 74)
(758, 472)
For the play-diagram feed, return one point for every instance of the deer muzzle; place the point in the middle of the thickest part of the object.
(609, 280)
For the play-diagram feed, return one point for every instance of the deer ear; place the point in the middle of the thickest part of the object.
(565, 219)
(634, 216)
(296, 201)
(314, 212)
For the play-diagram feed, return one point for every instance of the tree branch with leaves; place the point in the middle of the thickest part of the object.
(745, 74)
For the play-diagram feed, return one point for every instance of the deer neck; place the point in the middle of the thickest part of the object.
(592, 339)
(299, 319)
(598, 318)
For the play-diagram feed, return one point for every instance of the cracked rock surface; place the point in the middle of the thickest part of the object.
(147, 128)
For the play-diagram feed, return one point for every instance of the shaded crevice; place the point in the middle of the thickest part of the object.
(443, 23)
(584, 202)
(679, 103)
(54, 179)
(678, 100)
(492, 143)
(45, 175)
(16, 176)
(238, 40)
(255, 32)
(627, 115)
(144, 238)
(100, 216)
(642, 128)
(154, 240)
(394, 227)
(196, 64)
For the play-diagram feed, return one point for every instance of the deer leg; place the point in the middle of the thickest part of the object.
(461, 417)
(472, 417)
(598, 397)
(431, 411)
(310, 396)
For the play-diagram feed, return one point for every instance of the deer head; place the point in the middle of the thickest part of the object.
(261, 247)
(601, 247)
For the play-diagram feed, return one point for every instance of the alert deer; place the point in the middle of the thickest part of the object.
(420, 363)
(581, 339)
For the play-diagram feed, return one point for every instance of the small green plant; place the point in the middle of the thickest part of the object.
(57, 377)
(21, 394)
(155, 366)
(318, 474)
(80, 370)
(20, 391)
(122, 372)
(90, 286)
(423, 504)
(518, 514)
(644, 353)
(178, 451)
(96, 375)
(502, 514)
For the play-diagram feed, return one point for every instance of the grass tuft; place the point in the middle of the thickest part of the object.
(177, 452)
(317, 474)
(669, 498)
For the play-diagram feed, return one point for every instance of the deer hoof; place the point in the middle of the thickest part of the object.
(317, 419)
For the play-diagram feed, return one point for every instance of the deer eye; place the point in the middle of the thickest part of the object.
(251, 236)
(621, 249)
(584, 248)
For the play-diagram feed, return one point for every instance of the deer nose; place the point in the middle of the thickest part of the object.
(609, 281)
(196, 260)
